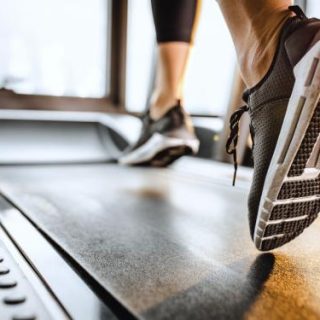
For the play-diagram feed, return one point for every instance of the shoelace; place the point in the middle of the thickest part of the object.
(231, 145)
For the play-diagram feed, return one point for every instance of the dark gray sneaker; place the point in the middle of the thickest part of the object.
(285, 125)
(163, 141)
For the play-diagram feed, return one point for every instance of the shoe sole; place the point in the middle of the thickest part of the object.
(290, 200)
(160, 151)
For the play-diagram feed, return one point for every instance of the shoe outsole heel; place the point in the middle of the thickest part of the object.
(290, 200)
(166, 157)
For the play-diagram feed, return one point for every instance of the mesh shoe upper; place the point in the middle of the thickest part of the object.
(267, 103)
(267, 107)
(174, 119)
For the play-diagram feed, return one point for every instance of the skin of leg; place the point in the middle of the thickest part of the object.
(171, 69)
(255, 27)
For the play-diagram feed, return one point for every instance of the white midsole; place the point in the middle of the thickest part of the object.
(271, 222)
(308, 174)
(278, 171)
(156, 144)
(296, 200)
(272, 237)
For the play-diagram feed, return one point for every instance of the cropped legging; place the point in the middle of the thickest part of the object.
(175, 20)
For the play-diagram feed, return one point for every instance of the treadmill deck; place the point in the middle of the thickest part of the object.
(169, 243)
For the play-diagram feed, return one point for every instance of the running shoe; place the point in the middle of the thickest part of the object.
(285, 126)
(164, 140)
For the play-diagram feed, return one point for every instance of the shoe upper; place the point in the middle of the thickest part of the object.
(268, 100)
(175, 119)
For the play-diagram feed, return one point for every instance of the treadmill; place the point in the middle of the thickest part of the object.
(82, 237)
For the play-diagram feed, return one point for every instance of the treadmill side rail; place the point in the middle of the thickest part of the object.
(60, 291)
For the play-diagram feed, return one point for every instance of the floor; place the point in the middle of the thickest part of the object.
(170, 243)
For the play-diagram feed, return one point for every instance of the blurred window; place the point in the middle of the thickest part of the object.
(313, 8)
(140, 54)
(212, 64)
(55, 47)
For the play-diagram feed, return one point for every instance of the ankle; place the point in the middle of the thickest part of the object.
(255, 63)
(161, 103)
(258, 50)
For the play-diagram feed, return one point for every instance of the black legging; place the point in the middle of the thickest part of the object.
(174, 20)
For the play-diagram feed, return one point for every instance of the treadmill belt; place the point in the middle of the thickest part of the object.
(167, 245)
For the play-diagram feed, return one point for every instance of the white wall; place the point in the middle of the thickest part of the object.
(313, 8)
(54, 47)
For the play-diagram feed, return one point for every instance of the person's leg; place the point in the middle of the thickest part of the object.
(171, 68)
(255, 27)
(279, 53)
(175, 24)
(167, 132)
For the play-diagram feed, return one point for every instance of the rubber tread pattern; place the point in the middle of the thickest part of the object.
(299, 189)
(289, 227)
(278, 242)
(294, 210)
(167, 157)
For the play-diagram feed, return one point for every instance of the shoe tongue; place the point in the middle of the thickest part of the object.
(175, 108)
(179, 103)
(298, 12)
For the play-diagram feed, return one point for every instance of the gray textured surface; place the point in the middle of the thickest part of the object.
(167, 244)
(32, 304)
(41, 137)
